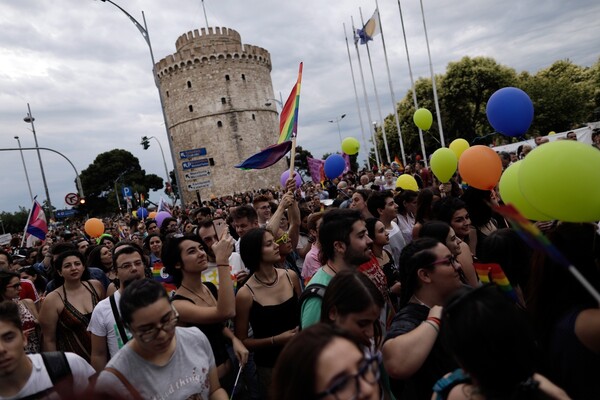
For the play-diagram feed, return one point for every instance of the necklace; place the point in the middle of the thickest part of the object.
(268, 284)
(419, 301)
(210, 304)
(332, 269)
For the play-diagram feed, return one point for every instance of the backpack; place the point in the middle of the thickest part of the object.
(60, 373)
(312, 290)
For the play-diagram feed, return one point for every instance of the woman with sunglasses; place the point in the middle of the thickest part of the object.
(10, 288)
(412, 352)
(268, 302)
(162, 360)
(326, 362)
(493, 342)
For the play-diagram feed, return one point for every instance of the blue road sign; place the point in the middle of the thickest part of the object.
(127, 191)
(203, 162)
(65, 213)
(192, 153)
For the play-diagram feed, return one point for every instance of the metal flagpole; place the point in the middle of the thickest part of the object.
(394, 103)
(385, 143)
(412, 84)
(435, 97)
(205, 18)
(362, 128)
(362, 77)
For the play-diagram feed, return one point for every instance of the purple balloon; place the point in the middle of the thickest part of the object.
(285, 176)
(334, 166)
(160, 217)
(510, 111)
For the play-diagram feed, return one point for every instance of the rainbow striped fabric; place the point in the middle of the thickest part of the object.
(493, 273)
(288, 120)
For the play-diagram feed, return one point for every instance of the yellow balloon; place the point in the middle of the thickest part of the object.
(350, 146)
(423, 119)
(551, 133)
(458, 146)
(561, 180)
(407, 182)
(511, 194)
(443, 164)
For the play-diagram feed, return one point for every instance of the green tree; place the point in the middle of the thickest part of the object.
(14, 222)
(562, 96)
(100, 179)
(301, 160)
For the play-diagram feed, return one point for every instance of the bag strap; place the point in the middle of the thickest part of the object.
(118, 320)
(134, 393)
(57, 365)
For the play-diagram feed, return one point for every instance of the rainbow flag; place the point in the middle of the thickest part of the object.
(288, 120)
(492, 272)
(288, 128)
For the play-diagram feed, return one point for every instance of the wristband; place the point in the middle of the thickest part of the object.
(433, 325)
(222, 265)
(434, 319)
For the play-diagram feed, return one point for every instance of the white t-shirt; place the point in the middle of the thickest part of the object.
(185, 374)
(103, 324)
(397, 242)
(212, 275)
(39, 380)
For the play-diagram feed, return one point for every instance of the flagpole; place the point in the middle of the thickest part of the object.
(27, 222)
(412, 83)
(362, 78)
(394, 103)
(435, 96)
(292, 158)
(362, 128)
(385, 143)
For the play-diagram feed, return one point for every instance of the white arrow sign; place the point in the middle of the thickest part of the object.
(189, 176)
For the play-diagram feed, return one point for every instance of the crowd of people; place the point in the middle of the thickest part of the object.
(353, 289)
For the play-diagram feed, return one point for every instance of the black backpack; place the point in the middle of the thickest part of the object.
(60, 374)
(312, 290)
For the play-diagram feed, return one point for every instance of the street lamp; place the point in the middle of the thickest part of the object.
(337, 121)
(25, 168)
(145, 34)
(146, 144)
(29, 119)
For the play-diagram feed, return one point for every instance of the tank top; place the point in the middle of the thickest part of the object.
(31, 328)
(268, 321)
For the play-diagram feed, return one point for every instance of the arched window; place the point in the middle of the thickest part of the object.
(243, 77)
(189, 84)
(226, 77)
(253, 117)
(219, 124)
(223, 100)
(167, 93)
(191, 108)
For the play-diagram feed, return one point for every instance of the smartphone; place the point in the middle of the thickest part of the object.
(220, 227)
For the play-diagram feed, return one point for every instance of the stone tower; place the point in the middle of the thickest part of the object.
(214, 90)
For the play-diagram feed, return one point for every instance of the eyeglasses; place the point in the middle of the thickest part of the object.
(168, 326)
(14, 286)
(283, 238)
(348, 387)
(137, 264)
(450, 260)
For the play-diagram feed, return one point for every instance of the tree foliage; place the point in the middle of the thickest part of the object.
(14, 222)
(564, 95)
(110, 170)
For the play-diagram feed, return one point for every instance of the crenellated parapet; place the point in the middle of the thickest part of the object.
(213, 45)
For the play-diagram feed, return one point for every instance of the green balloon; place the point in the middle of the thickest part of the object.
(423, 119)
(511, 194)
(562, 179)
(443, 164)
(350, 146)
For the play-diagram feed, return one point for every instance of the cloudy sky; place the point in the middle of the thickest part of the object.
(86, 70)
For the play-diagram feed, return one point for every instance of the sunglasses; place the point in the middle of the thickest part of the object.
(283, 239)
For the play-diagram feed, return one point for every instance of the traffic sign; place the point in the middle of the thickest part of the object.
(192, 153)
(199, 185)
(65, 213)
(190, 176)
(127, 191)
(203, 162)
(71, 199)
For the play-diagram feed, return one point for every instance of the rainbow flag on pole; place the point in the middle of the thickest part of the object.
(288, 128)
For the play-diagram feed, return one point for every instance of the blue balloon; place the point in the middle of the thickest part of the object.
(510, 111)
(142, 213)
(334, 166)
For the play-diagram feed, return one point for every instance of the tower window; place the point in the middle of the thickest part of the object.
(243, 77)
(167, 93)
(189, 84)
(191, 108)
(253, 117)
(223, 100)
(219, 124)
(226, 77)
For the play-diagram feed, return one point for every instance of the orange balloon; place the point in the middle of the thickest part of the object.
(94, 227)
(152, 214)
(481, 167)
